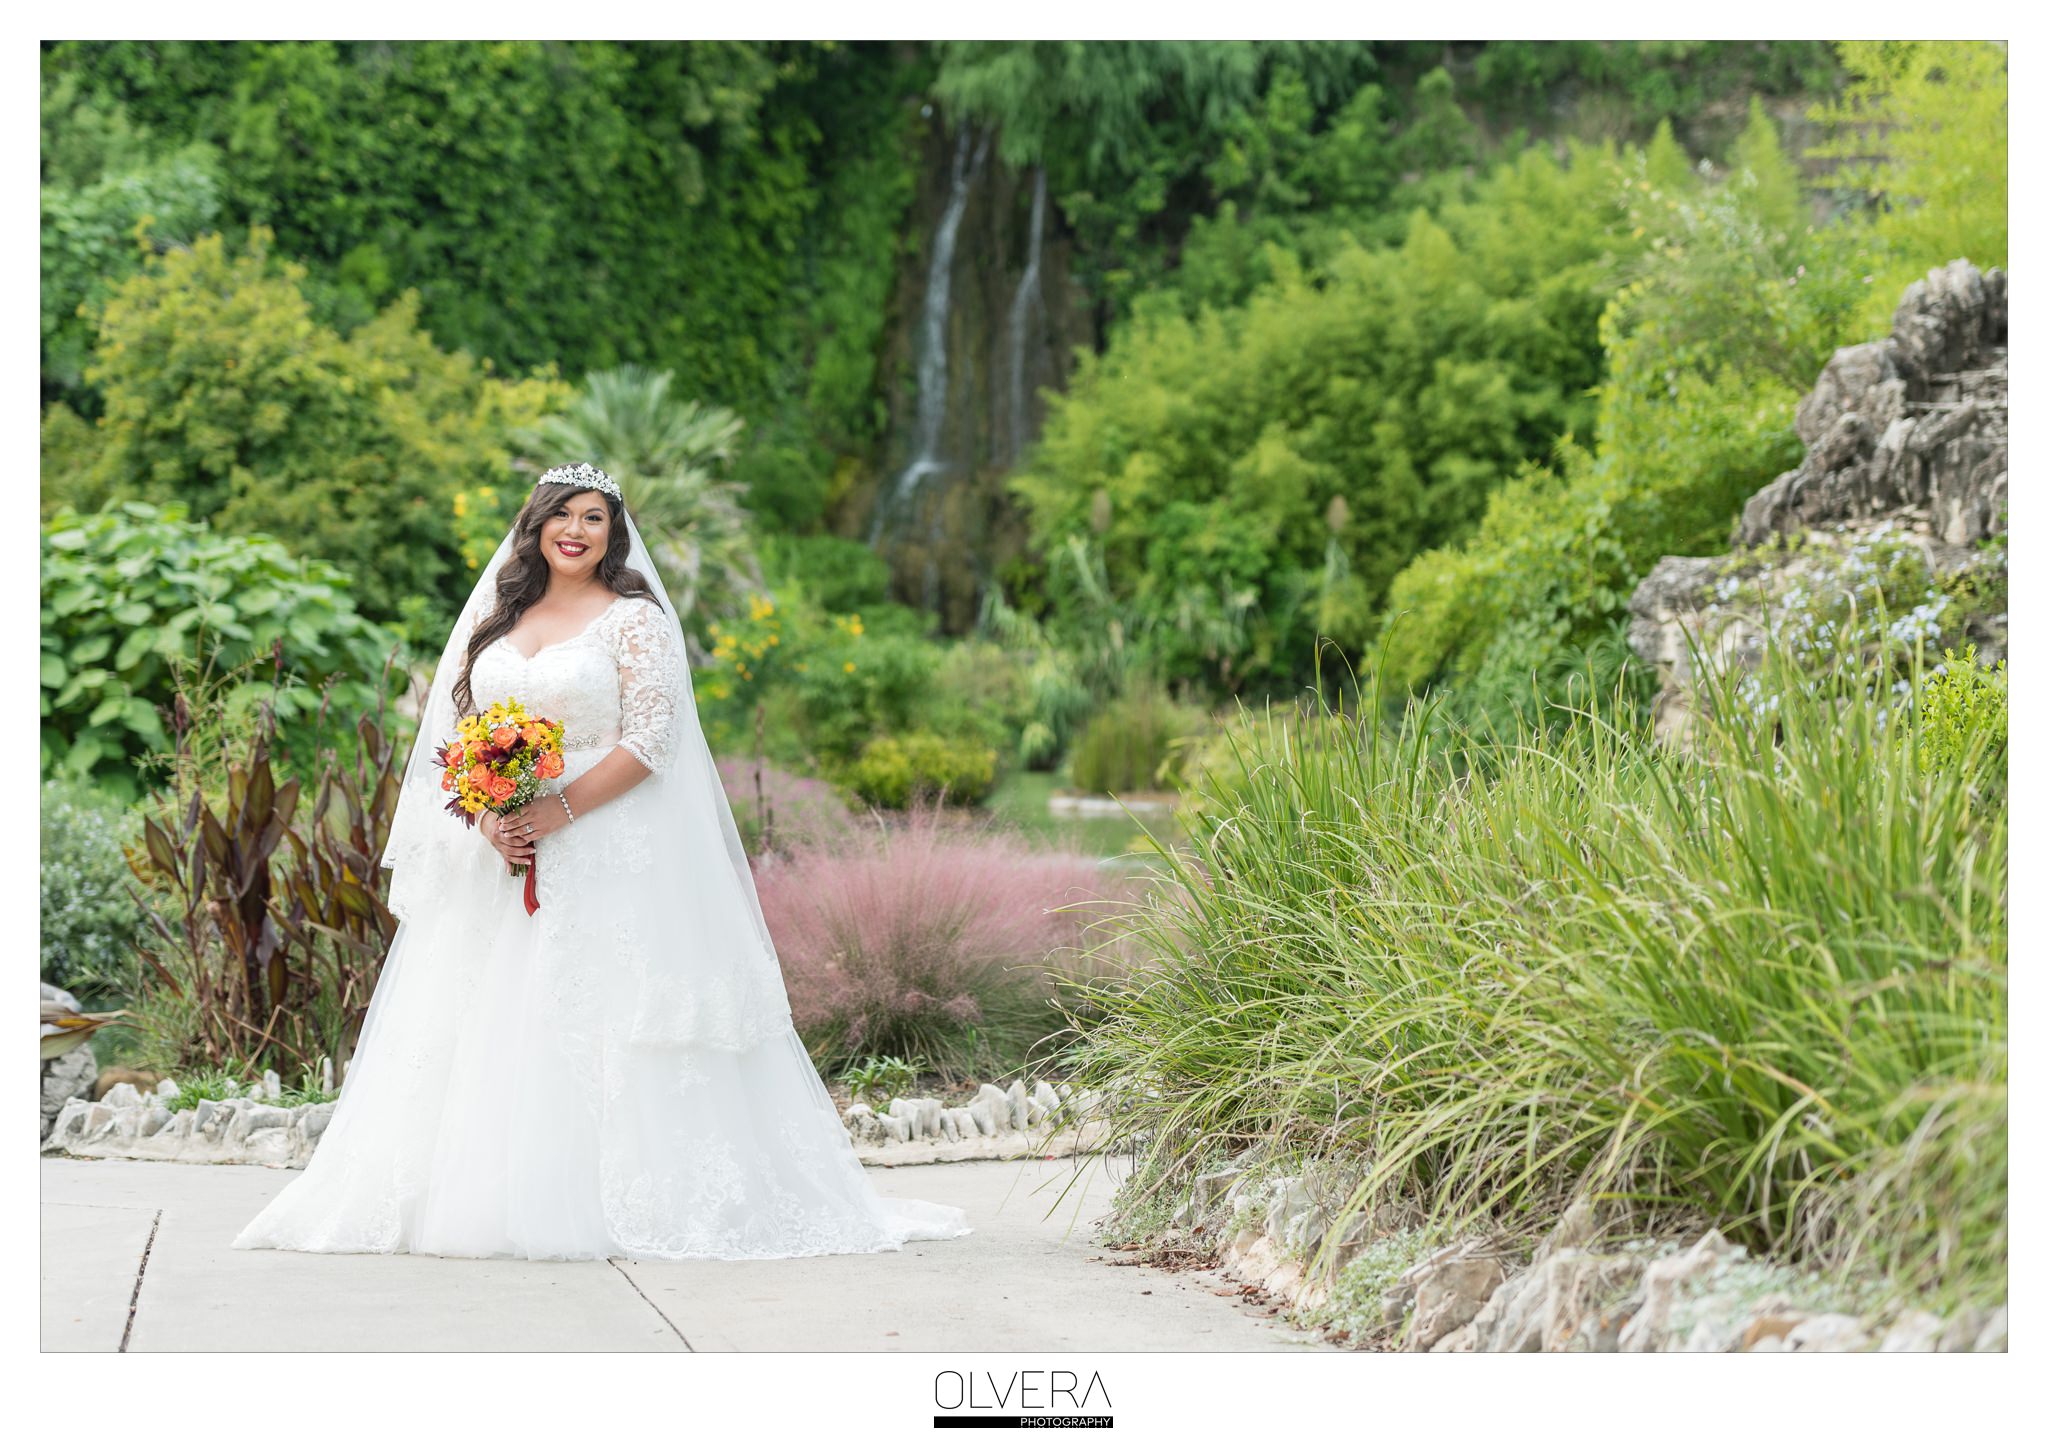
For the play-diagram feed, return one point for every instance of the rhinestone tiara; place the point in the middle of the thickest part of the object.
(583, 475)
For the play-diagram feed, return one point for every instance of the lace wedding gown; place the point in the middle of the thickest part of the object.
(598, 1079)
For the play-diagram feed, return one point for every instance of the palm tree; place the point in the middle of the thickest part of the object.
(663, 449)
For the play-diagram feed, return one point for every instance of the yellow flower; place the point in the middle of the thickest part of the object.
(849, 666)
(461, 505)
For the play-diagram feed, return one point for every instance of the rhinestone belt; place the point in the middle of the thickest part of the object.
(588, 740)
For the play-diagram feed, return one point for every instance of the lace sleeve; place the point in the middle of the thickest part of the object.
(650, 683)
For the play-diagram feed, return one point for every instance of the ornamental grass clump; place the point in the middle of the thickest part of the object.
(922, 939)
(1757, 981)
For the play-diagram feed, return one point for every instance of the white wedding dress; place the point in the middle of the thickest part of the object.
(616, 1075)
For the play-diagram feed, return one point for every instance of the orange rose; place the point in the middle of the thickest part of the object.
(480, 777)
(534, 734)
(548, 766)
(500, 789)
(447, 779)
(503, 736)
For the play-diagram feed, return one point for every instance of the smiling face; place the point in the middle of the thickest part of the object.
(574, 537)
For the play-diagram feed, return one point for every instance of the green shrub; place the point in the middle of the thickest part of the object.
(133, 593)
(89, 920)
(1963, 716)
(895, 771)
(1127, 744)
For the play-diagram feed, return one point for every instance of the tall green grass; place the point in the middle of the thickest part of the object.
(1758, 980)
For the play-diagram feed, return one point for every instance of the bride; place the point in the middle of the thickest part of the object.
(616, 1074)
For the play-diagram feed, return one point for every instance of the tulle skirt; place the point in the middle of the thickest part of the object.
(511, 1094)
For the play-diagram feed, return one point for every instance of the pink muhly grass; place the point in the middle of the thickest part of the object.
(909, 932)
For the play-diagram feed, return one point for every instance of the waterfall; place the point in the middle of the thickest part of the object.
(1028, 292)
(931, 359)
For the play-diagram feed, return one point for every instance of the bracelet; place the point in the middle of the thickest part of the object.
(563, 796)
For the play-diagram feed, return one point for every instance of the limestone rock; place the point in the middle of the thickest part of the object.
(1442, 1293)
(1044, 1100)
(68, 1076)
(1828, 1333)
(1915, 1332)
(991, 1109)
(1572, 1299)
(1662, 1281)
(1905, 436)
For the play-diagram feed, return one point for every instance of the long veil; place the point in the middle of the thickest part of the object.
(736, 996)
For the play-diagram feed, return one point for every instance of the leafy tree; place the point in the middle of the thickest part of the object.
(223, 392)
(1934, 114)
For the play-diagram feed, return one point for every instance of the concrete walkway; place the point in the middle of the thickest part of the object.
(136, 1256)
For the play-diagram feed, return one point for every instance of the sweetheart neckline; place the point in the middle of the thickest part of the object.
(506, 639)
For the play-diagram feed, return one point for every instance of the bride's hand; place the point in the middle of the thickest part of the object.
(512, 845)
(537, 819)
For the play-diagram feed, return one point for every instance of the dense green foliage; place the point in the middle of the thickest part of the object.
(1442, 963)
(89, 921)
(223, 393)
(1260, 474)
(1176, 163)
(109, 191)
(727, 210)
(1736, 304)
(135, 597)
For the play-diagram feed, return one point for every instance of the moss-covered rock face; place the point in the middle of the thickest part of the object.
(986, 313)
(1890, 532)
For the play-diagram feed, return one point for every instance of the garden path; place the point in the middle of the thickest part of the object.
(136, 1257)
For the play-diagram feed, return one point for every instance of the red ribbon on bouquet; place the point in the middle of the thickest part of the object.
(532, 873)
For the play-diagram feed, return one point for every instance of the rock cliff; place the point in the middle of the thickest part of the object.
(1905, 454)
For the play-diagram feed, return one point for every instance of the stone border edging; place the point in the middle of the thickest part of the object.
(995, 1124)
(1646, 1296)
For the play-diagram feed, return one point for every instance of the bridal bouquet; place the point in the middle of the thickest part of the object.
(497, 762)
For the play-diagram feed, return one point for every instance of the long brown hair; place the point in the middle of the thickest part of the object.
(524, 576)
